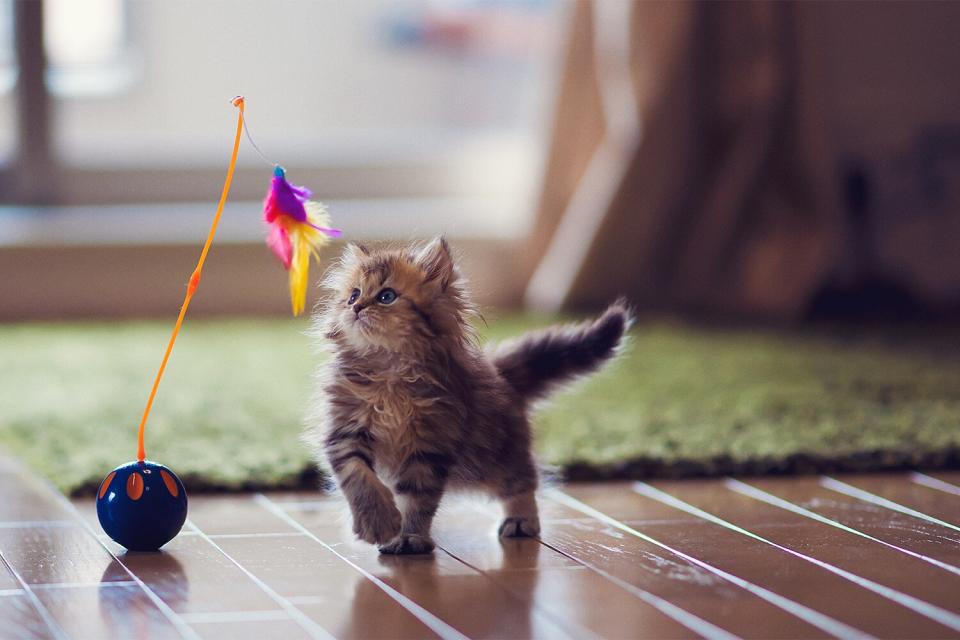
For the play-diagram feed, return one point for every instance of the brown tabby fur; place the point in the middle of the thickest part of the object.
(409, 405)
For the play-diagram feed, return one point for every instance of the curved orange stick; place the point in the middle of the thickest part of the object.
(194, 278)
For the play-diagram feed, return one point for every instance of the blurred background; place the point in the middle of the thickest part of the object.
(746, 173)
(749, 160)
(408, 118)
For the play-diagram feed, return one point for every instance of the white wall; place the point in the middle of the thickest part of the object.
(323, 83)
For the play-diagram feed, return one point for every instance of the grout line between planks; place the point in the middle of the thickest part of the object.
(934, 483)
(855, 492)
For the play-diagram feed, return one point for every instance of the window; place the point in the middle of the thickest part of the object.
(361, 99)
(87, 48)
(8, 78)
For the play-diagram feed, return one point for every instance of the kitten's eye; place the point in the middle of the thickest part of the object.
(354, 296)
(386, 296)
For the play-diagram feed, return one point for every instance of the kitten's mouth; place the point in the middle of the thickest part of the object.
(362, 323)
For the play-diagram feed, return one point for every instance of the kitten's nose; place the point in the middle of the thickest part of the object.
(357, 308)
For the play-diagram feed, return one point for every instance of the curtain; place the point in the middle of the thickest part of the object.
(737, 158)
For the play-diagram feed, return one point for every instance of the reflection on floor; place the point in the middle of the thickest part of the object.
(852, 556)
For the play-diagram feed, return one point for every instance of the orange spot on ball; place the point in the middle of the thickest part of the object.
(106, 484)
(134, 486)
(170, 483)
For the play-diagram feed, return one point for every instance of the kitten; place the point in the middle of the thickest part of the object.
(409, 406)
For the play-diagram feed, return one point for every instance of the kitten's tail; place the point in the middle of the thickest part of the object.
(539, 361)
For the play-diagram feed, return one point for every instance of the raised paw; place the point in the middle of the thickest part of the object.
(408, 543)
(377, 521)
(518, 527)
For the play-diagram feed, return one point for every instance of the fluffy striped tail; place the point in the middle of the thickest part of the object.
(538, 362)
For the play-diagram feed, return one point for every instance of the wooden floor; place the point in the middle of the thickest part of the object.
(852, 556)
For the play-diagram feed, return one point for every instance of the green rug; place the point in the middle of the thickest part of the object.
(682, 401)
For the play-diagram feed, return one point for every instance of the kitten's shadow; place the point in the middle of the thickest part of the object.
(520, 554)
(487, 603)
(376, 614)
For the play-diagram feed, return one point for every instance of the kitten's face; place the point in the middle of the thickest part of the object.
(392, 300)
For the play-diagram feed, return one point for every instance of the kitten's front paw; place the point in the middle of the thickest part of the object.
(517, 527)
(408, 543)
(377, 521)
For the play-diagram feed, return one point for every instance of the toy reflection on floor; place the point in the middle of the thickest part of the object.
(142, 505)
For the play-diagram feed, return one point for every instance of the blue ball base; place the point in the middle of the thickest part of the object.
(142, 505)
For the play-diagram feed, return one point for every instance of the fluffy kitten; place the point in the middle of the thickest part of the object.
(409, 405)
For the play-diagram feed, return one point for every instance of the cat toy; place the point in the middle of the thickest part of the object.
(142, 505)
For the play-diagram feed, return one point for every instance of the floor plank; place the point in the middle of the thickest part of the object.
(897, 488)
(563, 588)
(58, 555)
(7, 579)
(287, 565)
(772, 569)
(673, 578)
(467, 529)
(95, 613)
(191, 576)
(24, 499)
(226, 515)
(836, 548)
(903, 531)
(313, 578)
(20, 619)
(325, 588)
(457, 594)
(250, 630)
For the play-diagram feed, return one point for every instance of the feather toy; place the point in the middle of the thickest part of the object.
(298, 228)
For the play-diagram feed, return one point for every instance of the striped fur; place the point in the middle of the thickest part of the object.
(409, 406)
(538, 362)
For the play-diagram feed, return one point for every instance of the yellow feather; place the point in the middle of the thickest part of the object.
(307, 243)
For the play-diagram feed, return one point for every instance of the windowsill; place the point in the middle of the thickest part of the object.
(105, 80)
(132, 261)
(188, 223)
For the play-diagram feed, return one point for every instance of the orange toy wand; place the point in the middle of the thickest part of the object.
(238, 102)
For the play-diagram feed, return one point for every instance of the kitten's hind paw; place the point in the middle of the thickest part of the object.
(516, 527)
(408, 543)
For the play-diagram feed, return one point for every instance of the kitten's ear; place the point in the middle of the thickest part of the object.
(354, 253)
(436, 262)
